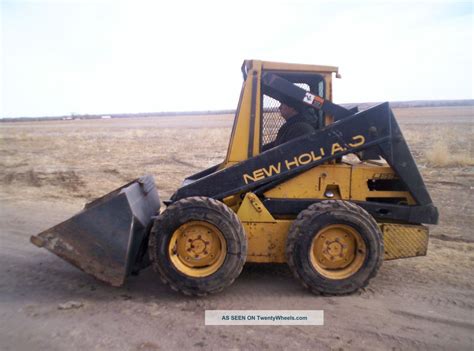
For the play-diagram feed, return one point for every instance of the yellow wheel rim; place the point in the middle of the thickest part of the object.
(337, 251)
(197, 249)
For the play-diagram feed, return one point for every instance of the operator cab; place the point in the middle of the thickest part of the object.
(271, 117)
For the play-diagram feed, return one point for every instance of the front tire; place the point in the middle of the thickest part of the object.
(334, 247)
(198, 246)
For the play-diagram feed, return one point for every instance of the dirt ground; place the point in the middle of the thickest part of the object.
(48, 170)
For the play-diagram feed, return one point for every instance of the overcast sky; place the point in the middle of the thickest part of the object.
(63, 57)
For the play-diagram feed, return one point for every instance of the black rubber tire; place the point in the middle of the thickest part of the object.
(198, 209)
(309, 222)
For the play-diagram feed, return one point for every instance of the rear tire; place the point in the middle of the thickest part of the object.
(198, 246)
(334, 247)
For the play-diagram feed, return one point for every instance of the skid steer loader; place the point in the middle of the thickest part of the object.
(332, 204)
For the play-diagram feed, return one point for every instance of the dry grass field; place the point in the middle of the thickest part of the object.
(85, 158)
(48, 170)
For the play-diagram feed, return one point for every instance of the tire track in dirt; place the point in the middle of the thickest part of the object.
(417, 294)
(420, 295)
(450, 322)
(445, 237)
(396, 342)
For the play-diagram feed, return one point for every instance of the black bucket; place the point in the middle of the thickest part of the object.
(107, 236)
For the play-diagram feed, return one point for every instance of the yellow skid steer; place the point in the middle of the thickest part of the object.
(332, 202)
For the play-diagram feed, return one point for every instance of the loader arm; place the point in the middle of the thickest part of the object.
(283, 90)
(374, 129)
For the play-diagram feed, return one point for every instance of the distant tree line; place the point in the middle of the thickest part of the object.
(362, 106)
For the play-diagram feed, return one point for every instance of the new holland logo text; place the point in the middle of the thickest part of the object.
(300, 160)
